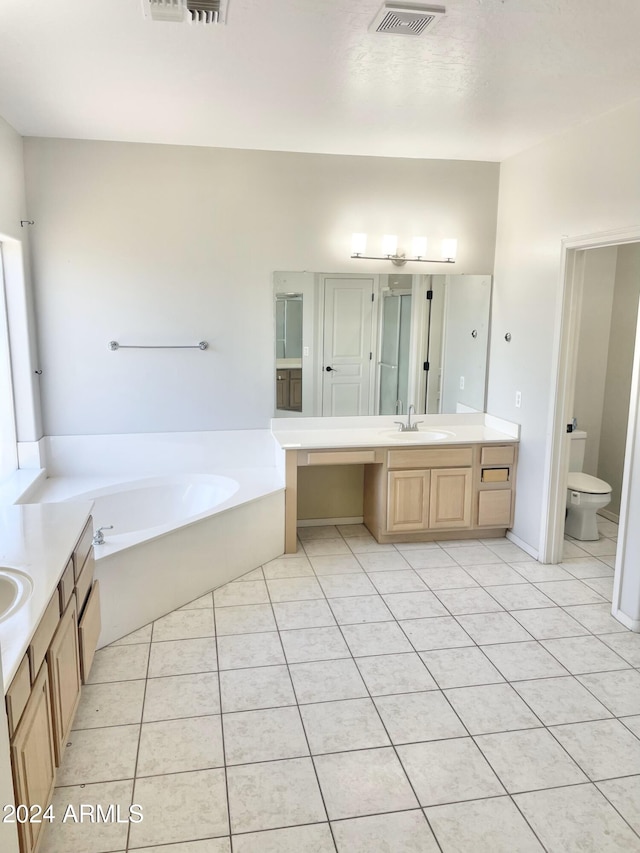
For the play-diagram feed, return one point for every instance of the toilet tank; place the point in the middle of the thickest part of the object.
(576, 453)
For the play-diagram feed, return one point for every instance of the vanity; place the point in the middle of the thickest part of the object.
(452, 478)
(49, 631)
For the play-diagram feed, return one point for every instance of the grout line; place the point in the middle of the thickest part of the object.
(135, 766)
(224, 748)
(304, 731)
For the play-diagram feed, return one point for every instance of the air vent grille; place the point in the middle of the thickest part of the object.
(205, 11)
(406, 20)
(189, 11)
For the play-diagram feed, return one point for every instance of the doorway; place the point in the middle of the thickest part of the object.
(574, 268)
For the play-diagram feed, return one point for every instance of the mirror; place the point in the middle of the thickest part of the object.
(374, 344)
(289, 352)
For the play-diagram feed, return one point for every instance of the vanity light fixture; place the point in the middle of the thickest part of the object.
(390, 250)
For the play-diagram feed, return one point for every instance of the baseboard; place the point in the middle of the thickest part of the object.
(610, 516)
(627, 621)
(521, 544)
(320, 522)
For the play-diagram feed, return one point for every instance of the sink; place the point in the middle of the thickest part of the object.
(15, 589)
(419, 437)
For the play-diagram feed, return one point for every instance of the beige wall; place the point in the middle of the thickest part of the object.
(158, 243)
(333, 492)
(583, 182)
(619, 367)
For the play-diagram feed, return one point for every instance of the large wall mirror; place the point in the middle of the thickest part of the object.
(349, 344)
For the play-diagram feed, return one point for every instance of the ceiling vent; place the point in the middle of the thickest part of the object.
(406, 19)
(189, 11)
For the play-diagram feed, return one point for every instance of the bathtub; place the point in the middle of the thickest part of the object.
(174, 537)
(136, 511)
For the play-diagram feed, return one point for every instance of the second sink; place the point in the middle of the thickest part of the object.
(15, 589)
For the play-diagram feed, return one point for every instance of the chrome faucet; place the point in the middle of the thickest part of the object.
(98, 536)
(409, 427)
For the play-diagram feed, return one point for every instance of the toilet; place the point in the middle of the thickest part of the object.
(585, 494)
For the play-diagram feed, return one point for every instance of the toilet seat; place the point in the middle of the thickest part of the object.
(580, 482)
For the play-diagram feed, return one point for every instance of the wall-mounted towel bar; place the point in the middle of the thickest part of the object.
(114, 345)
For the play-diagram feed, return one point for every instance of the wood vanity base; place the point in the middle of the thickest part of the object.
(421, 493)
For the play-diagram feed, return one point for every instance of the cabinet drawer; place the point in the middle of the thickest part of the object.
(18, 694)
(341, 457)
(430, 457)
(83, 584)
(494, 508)
(44, 634)
(82, 548)
(500, 455)
(89, 631)
(65, 587)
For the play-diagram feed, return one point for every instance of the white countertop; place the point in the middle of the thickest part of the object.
(37, 540)
(324, 433)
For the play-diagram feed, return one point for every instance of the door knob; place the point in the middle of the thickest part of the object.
(328, 368)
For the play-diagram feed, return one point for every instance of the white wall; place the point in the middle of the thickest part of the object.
(582, 182)
(20, 311)
(593, 348)
(619, 368)
(151, 243)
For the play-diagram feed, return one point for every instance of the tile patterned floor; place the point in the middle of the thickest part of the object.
(357, 697)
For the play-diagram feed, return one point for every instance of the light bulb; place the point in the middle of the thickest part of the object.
(358, 244)
(449, 249)
(389, 244)
(419, 247)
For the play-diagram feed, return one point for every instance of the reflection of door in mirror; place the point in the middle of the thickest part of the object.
(395, 336)
(289, 352)
(347, 350)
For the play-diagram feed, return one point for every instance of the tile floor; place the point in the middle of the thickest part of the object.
(357, 698)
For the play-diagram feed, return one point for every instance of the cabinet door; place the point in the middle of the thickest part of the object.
(32, 756)
(64, 673)
(89, 631)
(494, 508)
(407, 501)
(450, 504)
(295, 392)
(282, 389)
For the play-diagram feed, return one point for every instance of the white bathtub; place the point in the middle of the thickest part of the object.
(174, 537)
(143, 509)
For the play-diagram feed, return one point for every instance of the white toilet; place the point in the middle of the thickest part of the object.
(585, 494)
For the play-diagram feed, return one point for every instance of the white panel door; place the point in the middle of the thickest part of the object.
(347, 362)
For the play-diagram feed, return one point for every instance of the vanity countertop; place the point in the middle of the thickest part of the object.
(36, 540)
(434, 430)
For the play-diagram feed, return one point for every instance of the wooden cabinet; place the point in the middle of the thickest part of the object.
(43, 696)
(450, 505)
(89, 631)
(64, 673)
(33, 759)
(408, 501)
(289, 389)
(422, 493)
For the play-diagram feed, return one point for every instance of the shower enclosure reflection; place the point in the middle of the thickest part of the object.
(366, 342)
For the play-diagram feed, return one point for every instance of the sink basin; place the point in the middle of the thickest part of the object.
(15, 589)
(419, 437)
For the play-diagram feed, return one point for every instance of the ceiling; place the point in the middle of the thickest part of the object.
(493, 78)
